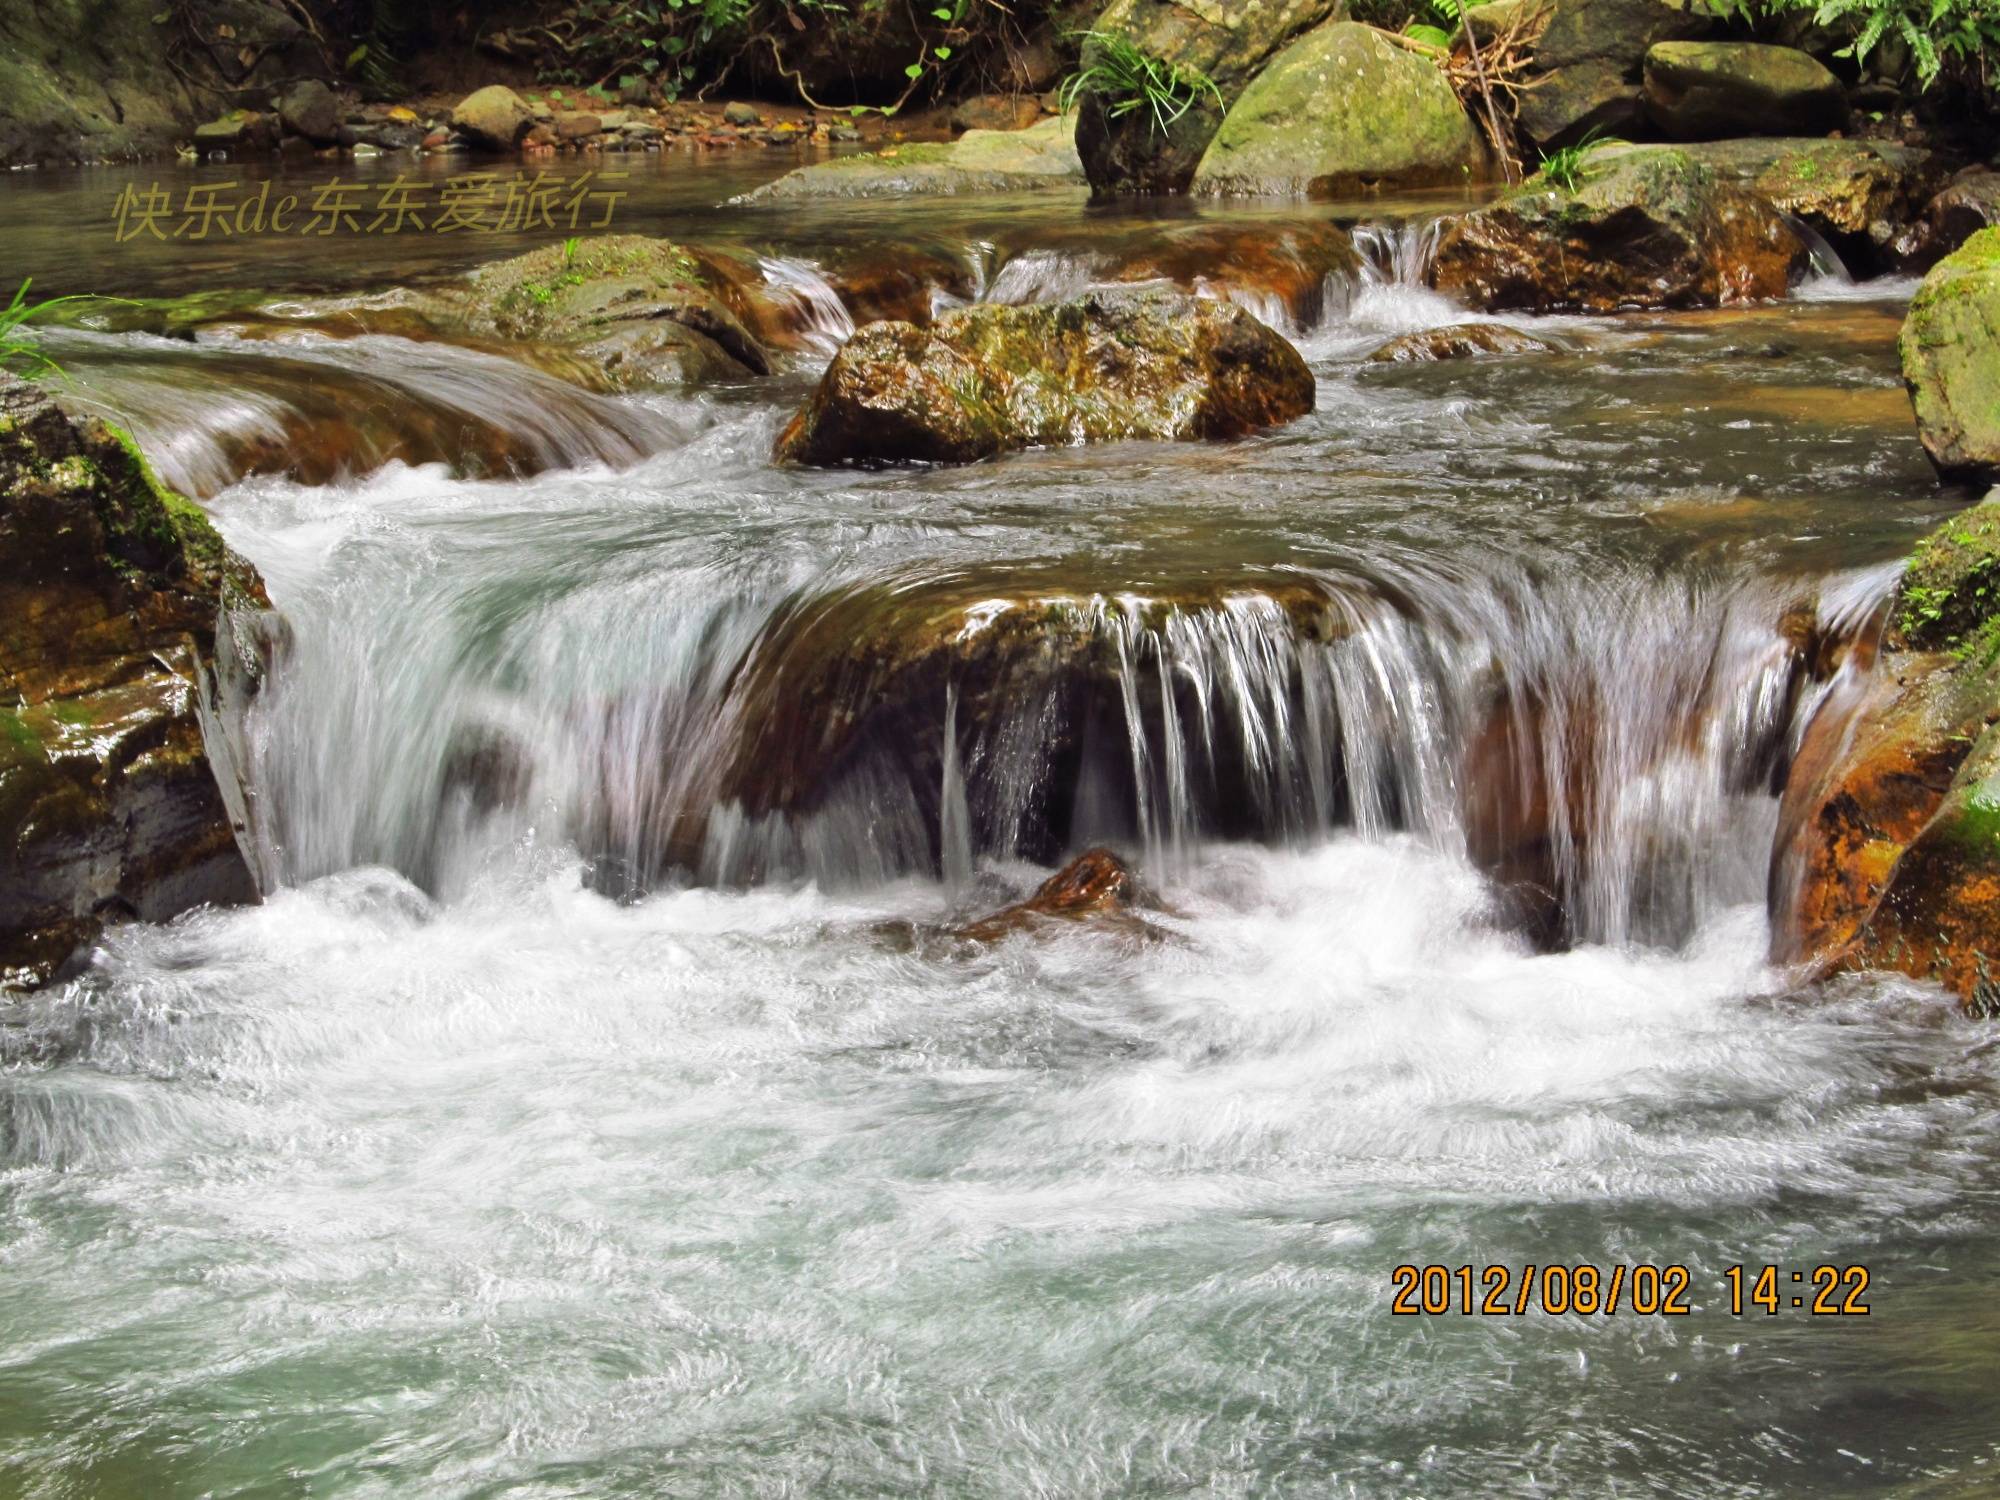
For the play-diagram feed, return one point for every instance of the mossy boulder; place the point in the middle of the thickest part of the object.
(1039, 159)
(646, 312)
(1704, 91)
(126, 632)
(1223, 45)
(1638, 227)
(1950, 348)
(1585, 68)
(494, 118)
(1861, 195)
(1888, 854)
(1340, 110)
(1109, 365)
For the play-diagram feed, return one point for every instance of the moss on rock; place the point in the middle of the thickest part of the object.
(1950, 349)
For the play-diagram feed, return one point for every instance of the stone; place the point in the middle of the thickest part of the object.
(645, 312)
(1585, 69)
(494, 118)
(1950, 350)
(1888, 848)
(1040, 159)
(1106, 366)
(1968, 204)
(1459, 341)
(240, 129)
(1342, 109)
(309, 109)
(1861, 195)
(1703, 91)
(128, 634)
(577, 127)
(995, 112)
(1643, 227)
(1218, 49)
(1096, 884)
(739, 113)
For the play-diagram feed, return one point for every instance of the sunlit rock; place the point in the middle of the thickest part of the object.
(1639, 227)
(1698, 91)
(1950, 347)
(1096, 885)
(1039, 159)
(1106, 366)
(1459, 341)
(1888, 851)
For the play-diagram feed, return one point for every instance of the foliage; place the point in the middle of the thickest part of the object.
(1128, 80)
(1958, 36)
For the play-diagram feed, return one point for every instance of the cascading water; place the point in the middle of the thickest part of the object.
(604, 1104)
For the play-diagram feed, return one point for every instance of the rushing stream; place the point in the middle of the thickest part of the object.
(562, 1125)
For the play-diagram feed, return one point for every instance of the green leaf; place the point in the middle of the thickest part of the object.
(914, 70)
(355, 57)
(942, 52)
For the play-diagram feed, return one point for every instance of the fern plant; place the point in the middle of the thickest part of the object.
(1938, 33)
(1128, 80)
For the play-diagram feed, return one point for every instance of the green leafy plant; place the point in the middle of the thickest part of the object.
(1128, 80)
(19, 354)
(1941, 36)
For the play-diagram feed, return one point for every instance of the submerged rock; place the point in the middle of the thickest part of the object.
(120, 611)
(1950, 348)
(1097, 883)
(1106, 366)
(1040, 159)
(1700, 91)
(1124, 150)
(1888, 851)
(1643, 227)
(1459, 341)
(1341, 109)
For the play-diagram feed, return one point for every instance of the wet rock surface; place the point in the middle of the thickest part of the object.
(1040, 159)
(1106, 366)
(1859, 194)
(1950, 350)
(1642, 227)
(1096, 885)
(1888, 850)
(1459, 341)
(118, 794)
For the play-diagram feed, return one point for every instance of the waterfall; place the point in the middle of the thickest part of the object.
(821, 318)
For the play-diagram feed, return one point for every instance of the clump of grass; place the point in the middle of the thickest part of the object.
(1128, 80)
(1564, 166)
(19, 354)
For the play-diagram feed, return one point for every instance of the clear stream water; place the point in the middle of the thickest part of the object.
(457, 1168)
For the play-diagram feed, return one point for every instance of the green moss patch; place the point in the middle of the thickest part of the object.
(1950, 599)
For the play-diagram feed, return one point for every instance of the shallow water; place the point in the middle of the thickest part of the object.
(443, 1172)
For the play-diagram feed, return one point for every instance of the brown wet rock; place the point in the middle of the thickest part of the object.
(1643, 227)
(1459, 341)
(1097, 884)
(1888, 848)
(118, 795)
(1289, 262)
(1103, 367)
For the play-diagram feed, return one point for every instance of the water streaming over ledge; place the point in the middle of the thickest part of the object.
(445, 1173)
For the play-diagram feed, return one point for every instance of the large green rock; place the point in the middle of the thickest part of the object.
(1039, 159)
(1110, 365)
(1702, 91)
(1224, 42)
(1585, 69)
(127, 631)
(1343, 108)
(1950, 348)
(1644, 226)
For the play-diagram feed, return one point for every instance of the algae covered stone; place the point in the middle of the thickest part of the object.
(1698, 91)
(1950, 348)
(1109, 365)
(1039, 159)
(1641, 227)
(1342, 108)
